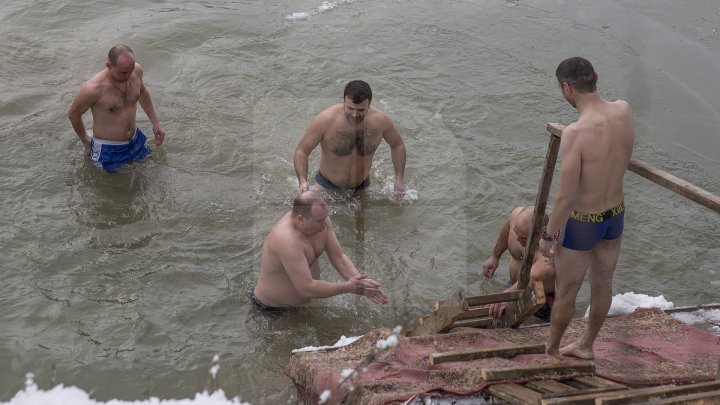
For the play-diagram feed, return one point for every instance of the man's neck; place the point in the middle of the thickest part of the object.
(587, 101)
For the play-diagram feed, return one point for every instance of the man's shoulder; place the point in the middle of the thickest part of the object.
(329, 115)
(95, 85)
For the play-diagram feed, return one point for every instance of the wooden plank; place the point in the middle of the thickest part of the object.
(654, 393)
(539, 213)
(475, 323)
(493, 298)
(699, 398)
(631, 396)
(597, 382)
(549, 370)
(585, 396)
(532, 299)
(692, 308)
(550, 386)
(481, 312)
(515, 394)
(468, 355)
(665, 179)
(448, 311)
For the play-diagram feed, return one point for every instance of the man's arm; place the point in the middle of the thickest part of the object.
(346, 268)
(397, 153)
(147, 106)
(336, 255)
(541, 270)
(569, 184)
(501, 245)
(84, 99)
(310, 140)
(296, 266)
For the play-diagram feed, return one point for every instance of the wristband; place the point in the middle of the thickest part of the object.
(550, 238)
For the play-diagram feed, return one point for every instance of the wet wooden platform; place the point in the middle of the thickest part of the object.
(572, 382)
(593, 390)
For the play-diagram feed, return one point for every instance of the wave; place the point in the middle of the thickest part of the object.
(304, 15)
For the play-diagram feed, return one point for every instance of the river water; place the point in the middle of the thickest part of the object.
(127, 285)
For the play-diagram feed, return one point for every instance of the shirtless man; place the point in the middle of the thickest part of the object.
(112, 96)
(513, 238)
(349, 134)
(586, 224)
(289, 266)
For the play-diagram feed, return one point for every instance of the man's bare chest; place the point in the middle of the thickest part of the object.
(363, 140)
(314, 247)
(117, 99)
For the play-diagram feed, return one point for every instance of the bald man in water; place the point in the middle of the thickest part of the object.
(112, 96)
(513, 238)
(586, 225)
(290, 265)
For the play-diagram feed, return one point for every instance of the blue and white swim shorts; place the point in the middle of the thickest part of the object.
(111, 155)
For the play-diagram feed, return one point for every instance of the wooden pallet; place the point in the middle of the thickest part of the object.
(593, 390)
(571, 382)
(550, 389)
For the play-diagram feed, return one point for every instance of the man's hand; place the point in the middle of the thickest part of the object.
(378, 297)
(86, 148)
(303, 187)
(490, 265)
(159, 134)
(497, 309)
(368, 287)
(547, 247)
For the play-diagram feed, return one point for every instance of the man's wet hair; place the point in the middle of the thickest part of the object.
(577, 72)
(303, 203)
(358, 91)
(116, 51)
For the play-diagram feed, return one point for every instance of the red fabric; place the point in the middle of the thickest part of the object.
(647, 347)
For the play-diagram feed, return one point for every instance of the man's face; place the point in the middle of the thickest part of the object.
(315, 222)
(355, 113)
(122, 71)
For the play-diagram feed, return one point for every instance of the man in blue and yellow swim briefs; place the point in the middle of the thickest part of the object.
(583, 231)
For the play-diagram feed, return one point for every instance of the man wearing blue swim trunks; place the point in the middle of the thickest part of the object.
(585, 228)
(112, 95)
(349, 134)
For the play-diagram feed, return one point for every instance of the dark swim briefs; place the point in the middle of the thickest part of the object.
(544, 312)
(266, 309)
(111, 155)
(583, 231)
(321, 180)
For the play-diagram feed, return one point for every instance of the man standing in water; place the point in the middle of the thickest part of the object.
(112, 96)
(349, 134)
(589, 207)
(290, 266)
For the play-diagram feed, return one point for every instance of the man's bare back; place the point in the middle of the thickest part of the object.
(603, 136)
